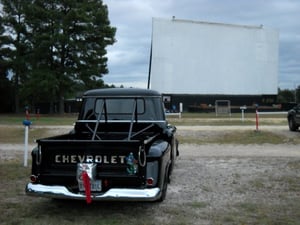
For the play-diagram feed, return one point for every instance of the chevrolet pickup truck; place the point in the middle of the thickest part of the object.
(121, 148)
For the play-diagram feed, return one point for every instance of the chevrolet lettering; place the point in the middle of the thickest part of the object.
(121, 148)
(104, 159)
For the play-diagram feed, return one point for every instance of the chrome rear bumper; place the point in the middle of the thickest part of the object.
(114, 194)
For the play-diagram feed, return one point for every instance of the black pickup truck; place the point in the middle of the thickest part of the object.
(293, 118)
(121, 148)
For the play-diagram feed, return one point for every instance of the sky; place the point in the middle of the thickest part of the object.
(129, 57)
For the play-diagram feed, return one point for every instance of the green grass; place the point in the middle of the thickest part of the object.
(198, 205)
(187, 119)
(240, 137)
(12, 119)
(13, 131)
(16, 135)
(225, 121)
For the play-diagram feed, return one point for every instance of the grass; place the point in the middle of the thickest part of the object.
(251, 212)
(244, 137)
(187, 119)
(198, 205)
(210, 119)
(13, 119)
(14, 131)
(275, 199)
(16, 135)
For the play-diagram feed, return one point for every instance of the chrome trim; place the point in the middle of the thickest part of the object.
(113, 194)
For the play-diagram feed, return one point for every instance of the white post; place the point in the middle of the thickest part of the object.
(180, 109)
(243, 108)
(243, 115)
(26, 147)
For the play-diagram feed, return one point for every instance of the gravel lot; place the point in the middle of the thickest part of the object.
(223, 176)
(211, 182)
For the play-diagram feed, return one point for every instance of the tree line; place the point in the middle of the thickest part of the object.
(289, 96)
(50, 50)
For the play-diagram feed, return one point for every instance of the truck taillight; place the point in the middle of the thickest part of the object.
(33, 178)
(152, 173)
(150, 181)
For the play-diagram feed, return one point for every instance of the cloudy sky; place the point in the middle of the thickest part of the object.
(128, 58)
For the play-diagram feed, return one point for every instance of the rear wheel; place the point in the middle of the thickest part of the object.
(164, 191)
(292, 124)
(164, 188)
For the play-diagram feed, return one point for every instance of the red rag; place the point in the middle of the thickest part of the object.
(87, 186)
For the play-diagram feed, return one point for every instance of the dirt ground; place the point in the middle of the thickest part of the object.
(217, 179)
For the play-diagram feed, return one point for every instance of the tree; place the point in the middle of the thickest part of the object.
(285, 96)
(297, 94)
(54, 46)
(69, 38)
(5, 84)
(15, 44)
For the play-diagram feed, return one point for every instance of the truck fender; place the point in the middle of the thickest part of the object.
(158, 148)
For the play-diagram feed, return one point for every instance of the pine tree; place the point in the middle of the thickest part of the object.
(16, 46)
(5, 84)
(69, 39)
(54, 46)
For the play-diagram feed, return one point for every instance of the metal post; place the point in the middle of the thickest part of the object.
(243, 117)
(243, 108)
(26, 147)
(256, 117)
(180, 109)
(26, 123)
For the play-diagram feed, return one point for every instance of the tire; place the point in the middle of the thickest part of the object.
(292, 124)
(164, 189)
(177, 151)
(164, 192)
